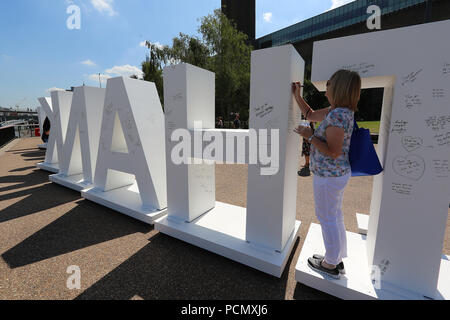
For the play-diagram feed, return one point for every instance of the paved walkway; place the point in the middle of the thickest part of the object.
(44, 228)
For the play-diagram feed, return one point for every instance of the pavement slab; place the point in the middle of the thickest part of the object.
(45, 228)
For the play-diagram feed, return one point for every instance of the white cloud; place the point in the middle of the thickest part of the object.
(95, 77)
(338, 3)
(89, 63)
(54, 89)
(116, 71)
(103, 77)
(104, 6)
(157, 44)
(125, 71)
(267, 17)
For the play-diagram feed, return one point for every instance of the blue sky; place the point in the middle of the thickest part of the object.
(38, 52)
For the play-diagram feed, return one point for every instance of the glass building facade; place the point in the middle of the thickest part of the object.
(344, 16)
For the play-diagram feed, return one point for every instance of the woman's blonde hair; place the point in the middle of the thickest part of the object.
(345, 89)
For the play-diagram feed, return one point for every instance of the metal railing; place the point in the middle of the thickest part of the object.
(7, 134)
(12, 123)
(26, 130)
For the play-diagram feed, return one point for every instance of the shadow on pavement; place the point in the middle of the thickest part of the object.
(18, 150)
(303, 292)
(33, 178)
(31, 154)
(39, 198)
(168, 268)
(81, 227)
(36, 160)
(23, 169)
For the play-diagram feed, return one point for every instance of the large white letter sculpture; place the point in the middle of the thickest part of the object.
(261, 236)
(190, 97)
(57, 111)
(409, 207)
(41, 116)
(130, 176)
(79, 156)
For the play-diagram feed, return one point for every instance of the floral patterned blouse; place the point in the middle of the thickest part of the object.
(322, 165)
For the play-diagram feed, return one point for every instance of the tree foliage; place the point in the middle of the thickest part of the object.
(230, 60)
(190, 50)
(222, 50)
(152, 67)
(369, 106)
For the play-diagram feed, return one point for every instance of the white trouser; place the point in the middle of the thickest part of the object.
(328, 195)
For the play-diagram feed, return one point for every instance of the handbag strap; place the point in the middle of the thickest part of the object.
(355, 124)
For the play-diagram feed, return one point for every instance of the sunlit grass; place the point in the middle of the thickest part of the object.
(373, 126)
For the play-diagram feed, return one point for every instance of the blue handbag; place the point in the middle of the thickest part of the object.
(363, 157)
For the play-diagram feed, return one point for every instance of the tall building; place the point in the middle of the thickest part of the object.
(243, 13)
(347, 20)
(351, 19)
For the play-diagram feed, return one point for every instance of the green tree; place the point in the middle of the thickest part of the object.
(312, 96)
(369, 106)
(152, 67)
(222, 50)
(230, 60)
(190, 50)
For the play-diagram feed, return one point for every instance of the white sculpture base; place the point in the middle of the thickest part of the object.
(222, 231)
(50, 167)
(75, 182)
(42, 146)
(357, 284)
(363, 223)
(125, 200)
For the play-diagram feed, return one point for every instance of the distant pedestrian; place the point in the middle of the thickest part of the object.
(306, 151)
(46, 129)
(237, 122)
(220, 123)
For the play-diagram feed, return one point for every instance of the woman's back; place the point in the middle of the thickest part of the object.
(323, 165)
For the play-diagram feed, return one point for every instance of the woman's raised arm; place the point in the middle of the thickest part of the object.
(308, 112)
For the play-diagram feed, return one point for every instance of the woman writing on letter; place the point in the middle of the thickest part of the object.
(330, 164)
